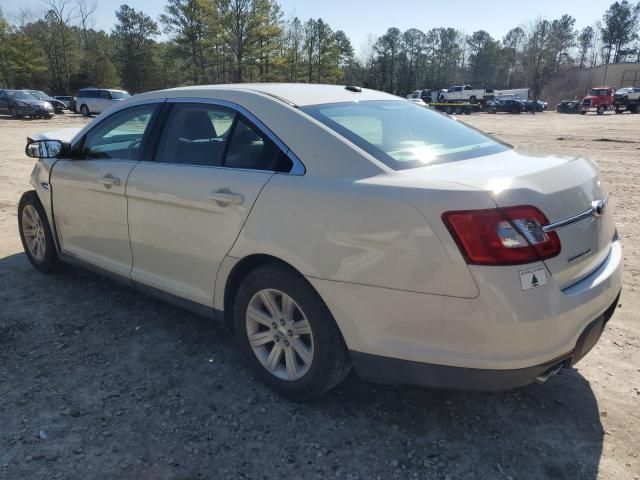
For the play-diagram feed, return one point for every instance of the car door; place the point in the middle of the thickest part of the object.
(88, 190)
(187, 207)
(102, 101)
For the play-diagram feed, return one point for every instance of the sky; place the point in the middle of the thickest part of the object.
(360, 18)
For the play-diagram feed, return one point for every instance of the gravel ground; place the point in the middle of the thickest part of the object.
(100, 382)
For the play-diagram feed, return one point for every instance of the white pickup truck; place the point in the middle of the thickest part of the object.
(466, 93)
(627, 99)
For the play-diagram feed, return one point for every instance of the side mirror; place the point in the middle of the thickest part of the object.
(44, 148)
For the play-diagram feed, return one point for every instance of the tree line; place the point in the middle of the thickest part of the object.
(224, 41)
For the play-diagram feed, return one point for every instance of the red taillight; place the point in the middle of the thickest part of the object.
(505, 236)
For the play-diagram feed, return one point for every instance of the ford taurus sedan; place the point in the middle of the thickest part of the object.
(333, 227)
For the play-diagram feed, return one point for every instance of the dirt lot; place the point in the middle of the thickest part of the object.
(97, 381)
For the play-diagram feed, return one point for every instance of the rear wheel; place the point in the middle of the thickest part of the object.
(84, 110)
(14, 112)
(288, 335)
(35, 234)
(637, 109)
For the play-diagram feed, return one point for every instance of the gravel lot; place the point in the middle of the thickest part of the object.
(97, 381)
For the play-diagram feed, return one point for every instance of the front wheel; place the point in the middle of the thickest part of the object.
(14, 112)
(36, 236)
(288, 335)
(601, 110)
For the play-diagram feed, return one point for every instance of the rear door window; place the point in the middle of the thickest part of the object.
(252, 149)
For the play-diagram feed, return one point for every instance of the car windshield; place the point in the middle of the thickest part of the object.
(597, 92)
(21, 96)
(116, 94)
(404, 135)
(38, 94)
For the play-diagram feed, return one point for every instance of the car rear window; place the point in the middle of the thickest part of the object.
(404, 135)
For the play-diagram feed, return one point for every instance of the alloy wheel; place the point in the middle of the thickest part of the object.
(279, 334)
(33, 231)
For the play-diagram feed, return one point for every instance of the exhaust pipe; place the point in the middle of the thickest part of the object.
(549, 373)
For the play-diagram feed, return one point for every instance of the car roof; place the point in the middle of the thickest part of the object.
(99, 88)
(298, 94)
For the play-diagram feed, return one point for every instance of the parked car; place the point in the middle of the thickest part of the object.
(58, 106)
(569, 106)
(538, 106)
(335, 226)
(96, 100)
(506, 106)
(20, 103)
(68, 101)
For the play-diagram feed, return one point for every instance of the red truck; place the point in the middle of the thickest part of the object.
(599, 99)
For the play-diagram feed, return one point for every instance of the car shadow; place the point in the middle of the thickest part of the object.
(146, 390)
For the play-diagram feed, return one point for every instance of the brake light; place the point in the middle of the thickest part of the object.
(505, 236)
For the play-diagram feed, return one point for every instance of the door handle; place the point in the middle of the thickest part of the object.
(224, 197)
(109, 180)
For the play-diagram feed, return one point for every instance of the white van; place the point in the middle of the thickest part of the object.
(96, 100)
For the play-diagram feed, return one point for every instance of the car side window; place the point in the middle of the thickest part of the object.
(195, 134)
(250, 148)
(120, 135)
(104, 94)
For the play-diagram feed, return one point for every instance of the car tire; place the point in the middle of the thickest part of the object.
(637, 109)
(84, 110)
(301, 354)
(583, 113)
(601, 110)
(14, 113)
(35, 234)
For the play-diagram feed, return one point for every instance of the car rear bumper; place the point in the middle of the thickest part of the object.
(395, 371)
(504, 329)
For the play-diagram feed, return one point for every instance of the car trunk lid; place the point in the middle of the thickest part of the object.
(561, 187)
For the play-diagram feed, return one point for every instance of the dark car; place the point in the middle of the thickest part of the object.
(538, 106)
(69, 101)
(20, 103)
(568, 106)
(58, 106)
(507, 106)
